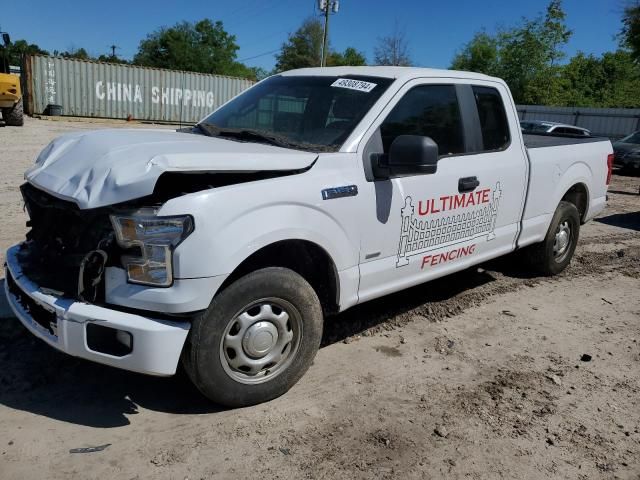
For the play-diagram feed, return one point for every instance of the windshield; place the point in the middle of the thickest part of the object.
(305, 112)
(633, 138)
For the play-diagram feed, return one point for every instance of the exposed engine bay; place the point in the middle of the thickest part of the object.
(68, 249)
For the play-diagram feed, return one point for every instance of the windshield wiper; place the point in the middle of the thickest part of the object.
(208, 130)
(248, 135)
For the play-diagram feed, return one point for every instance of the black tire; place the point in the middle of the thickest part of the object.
(207, 355)
(14, 117)
(543, 257)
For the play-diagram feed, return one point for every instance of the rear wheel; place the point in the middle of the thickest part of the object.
(14, 117)
(257, 338)
(554, 253)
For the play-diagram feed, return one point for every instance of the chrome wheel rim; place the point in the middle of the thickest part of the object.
(261, 340)
(562, 241)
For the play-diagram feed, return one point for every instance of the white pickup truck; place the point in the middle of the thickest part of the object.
(225, 245)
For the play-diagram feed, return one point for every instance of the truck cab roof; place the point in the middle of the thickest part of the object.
(406, 73)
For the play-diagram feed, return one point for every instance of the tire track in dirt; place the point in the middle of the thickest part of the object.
(443, 298)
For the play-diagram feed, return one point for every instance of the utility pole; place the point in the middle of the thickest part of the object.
(113, 50)
(326, 7)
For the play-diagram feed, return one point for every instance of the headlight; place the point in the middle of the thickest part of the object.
(155, 238)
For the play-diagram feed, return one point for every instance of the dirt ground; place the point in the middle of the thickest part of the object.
(482, 375)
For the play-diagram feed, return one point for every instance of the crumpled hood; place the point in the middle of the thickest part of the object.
(104, 167)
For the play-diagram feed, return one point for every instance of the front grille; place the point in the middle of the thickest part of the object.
(61, 236)
(37, 312)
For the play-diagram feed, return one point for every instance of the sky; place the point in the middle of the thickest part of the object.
(435, 30)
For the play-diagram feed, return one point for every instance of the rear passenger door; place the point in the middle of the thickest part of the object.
(416, 228)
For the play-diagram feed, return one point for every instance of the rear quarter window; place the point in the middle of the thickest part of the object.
(493, 118)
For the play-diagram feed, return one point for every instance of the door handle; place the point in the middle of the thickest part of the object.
(468, 184)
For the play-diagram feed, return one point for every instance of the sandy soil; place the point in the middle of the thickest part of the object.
(480, 375)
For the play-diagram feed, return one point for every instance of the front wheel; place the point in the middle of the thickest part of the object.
(554, 253)
(256, 339)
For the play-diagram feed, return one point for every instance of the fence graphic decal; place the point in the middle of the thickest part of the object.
(420, 236)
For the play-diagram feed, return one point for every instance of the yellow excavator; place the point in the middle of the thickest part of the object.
(10, 93)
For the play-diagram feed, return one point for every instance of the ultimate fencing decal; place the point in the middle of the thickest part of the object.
(478, 219)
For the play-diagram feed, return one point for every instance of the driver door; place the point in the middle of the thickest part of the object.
(422, 226)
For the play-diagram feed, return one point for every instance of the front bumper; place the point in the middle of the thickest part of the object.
(62, 323)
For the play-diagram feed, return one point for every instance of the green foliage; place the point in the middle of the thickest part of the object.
(77, 53)
(111, 59)
(529, 58)
(350, 57)
(621, 80)
(529, 54)
(630, 34)
(203, 47)
(258, 73)
(612, 80)
(479, 55)
(554, 33)
(303, 49)
(525, 56)
(15, 50)
(237, 69)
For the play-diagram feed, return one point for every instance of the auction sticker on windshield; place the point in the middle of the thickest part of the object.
(354, 84)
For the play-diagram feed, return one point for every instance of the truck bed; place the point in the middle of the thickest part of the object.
(539, 140)
(557, 164)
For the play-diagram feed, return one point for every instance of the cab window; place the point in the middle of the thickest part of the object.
(493, 119)
(428, 110)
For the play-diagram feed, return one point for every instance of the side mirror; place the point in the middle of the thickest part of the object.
(408, 155)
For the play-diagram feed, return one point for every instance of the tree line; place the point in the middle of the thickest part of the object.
(529, 56)
(206, 47)
(203, 46)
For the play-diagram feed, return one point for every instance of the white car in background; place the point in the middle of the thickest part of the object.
(540, 126)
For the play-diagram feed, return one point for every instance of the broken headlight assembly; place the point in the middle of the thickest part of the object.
(150, 241)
